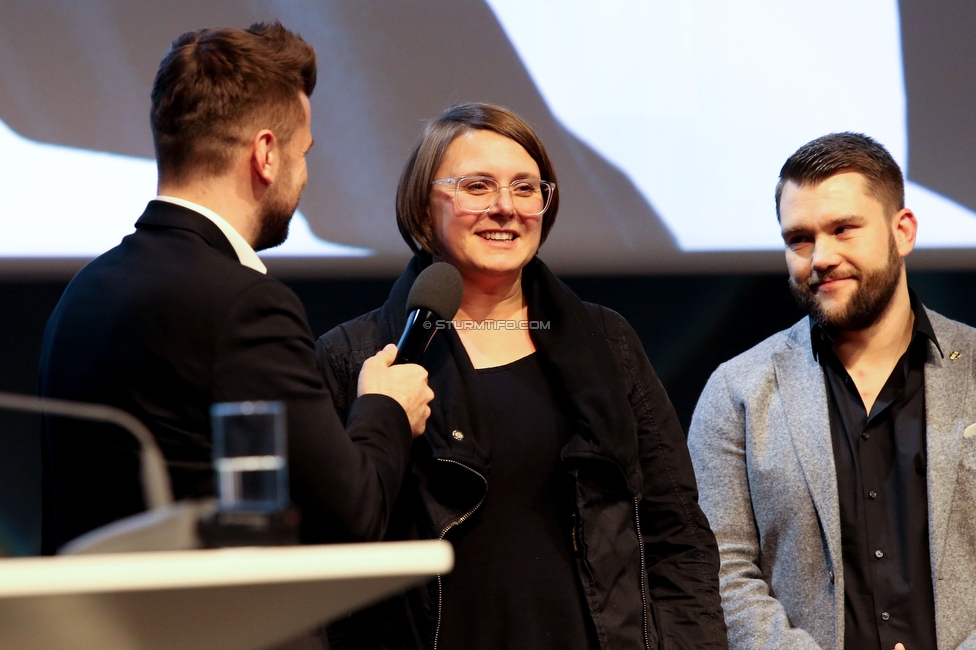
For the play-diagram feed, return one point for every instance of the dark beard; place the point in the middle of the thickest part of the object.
(869, 302)
(276, 214)
(274, 229)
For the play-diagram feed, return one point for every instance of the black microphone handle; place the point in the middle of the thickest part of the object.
(421, 325)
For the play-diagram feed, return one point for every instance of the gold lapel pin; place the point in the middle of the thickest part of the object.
(953, 355)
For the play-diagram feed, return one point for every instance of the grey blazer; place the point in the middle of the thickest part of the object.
(760, 442)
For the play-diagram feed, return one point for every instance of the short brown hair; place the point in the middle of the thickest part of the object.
(413, 193)
(214, 85)
(819, 159)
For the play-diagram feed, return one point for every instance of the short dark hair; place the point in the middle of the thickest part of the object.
(819, 159)
(413, 192)
(214, 85)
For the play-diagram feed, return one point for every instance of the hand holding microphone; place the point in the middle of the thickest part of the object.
(435, 295)
(407, 384)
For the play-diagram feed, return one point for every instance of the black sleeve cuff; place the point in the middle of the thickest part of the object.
(384, 413)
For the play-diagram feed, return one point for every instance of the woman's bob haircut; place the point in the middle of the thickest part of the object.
(413, 193)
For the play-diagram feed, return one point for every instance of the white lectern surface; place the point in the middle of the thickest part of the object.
(239, 599)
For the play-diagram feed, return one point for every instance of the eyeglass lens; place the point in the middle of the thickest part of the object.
(477, 194)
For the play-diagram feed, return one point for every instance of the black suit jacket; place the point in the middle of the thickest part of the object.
(164, 325)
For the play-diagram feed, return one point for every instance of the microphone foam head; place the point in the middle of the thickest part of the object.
(438, 288)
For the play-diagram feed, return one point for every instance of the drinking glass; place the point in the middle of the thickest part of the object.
(250, 456)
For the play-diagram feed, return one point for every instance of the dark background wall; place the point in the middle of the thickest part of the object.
(688, 324)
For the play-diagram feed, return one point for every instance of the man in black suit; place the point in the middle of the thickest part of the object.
(181, 314)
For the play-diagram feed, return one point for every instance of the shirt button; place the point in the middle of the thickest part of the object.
(865, 435)
(457, 435)
(879, 554)
(873, 494)
(885, 616)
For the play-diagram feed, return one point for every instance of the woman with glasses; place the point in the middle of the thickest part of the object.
(552, 460)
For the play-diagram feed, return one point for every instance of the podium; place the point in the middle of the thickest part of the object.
(236, 598)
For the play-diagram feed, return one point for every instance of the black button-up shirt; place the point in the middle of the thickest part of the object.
(881, 479)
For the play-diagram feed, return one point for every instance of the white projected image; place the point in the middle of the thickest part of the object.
(700, 103)
(70, 202)
(667, 122)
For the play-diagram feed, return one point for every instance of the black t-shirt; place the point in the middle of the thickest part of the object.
(515, 583)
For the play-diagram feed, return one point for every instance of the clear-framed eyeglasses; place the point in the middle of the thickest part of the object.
(530, 196)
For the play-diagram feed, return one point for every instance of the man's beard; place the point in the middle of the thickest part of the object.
(868, 303)
(276, 214)
(274, 228)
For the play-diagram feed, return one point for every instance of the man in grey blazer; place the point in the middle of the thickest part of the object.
(836, 460)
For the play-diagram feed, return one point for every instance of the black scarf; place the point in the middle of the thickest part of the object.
(575, 352)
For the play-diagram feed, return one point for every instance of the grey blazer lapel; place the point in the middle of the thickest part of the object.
(800, 382)
(948, 411)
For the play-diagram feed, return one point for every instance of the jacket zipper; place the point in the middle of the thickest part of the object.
(457, 522)
(640, 545)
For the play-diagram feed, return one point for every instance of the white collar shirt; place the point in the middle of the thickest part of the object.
(245, 254)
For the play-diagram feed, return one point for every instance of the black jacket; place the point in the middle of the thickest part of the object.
(636, 498)
(169, 322)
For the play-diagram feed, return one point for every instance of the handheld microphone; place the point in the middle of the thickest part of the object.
(435, 296)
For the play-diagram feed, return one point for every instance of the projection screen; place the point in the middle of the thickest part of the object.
(667, 122)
